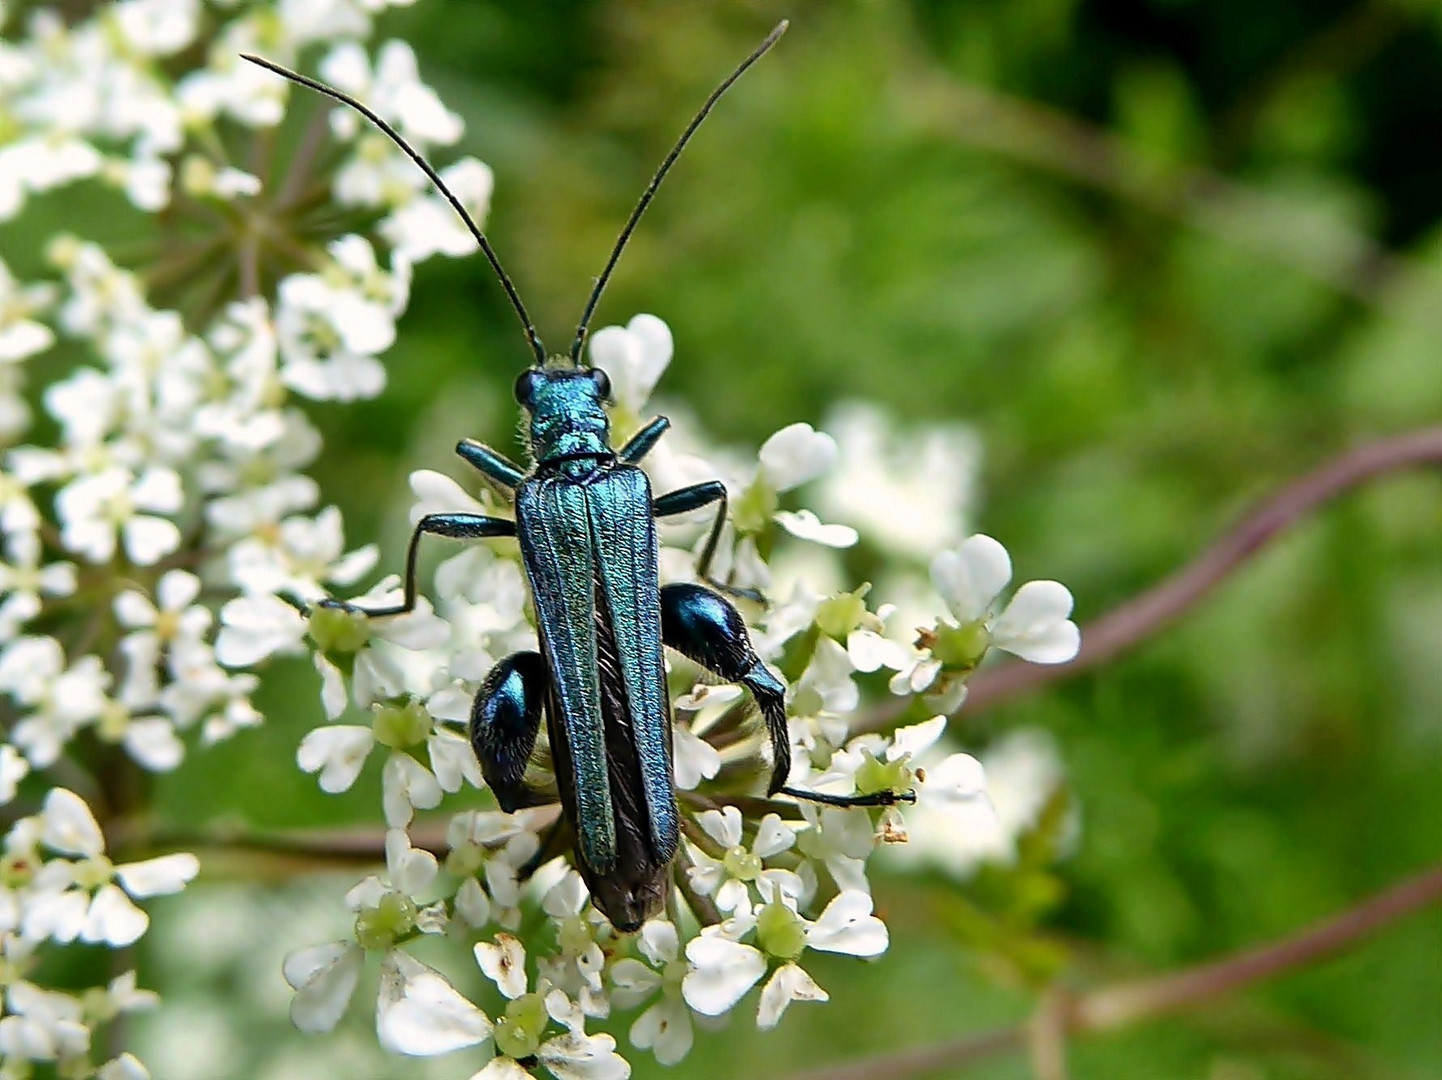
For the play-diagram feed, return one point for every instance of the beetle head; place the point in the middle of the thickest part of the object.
(566, 407)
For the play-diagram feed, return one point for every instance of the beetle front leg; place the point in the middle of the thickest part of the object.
(640, 444)
(707, 628)
(452, 526)
(693, 498)
(505, 718)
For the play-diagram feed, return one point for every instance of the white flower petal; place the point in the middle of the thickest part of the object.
(659, 942)
(634, 356)
(68, 825)
(959, 778)
(773, 836)
(177, 589)
(421, 1014)
(970, 577)
(337, 752)
(869, 651)
(472, 903)
(159, 876)
(149, 539)
(152, 742)
(723, 826)
(255, 627)
(721, 973)
(694, 758)
(503, 1068)
(410, 869)
(795, 454)
(324, 978)
(915, 739)
(124, 1067)
(665, 1030)
(805, 525)
(789, 983)
(406, 786)
(504, 963)
(13, 769)
(574, 1056)
(847, 926)
(113, 918)
(1035, 625)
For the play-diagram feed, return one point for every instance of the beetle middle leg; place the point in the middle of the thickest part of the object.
(452, 526)
(706, 627)
(693, 498)
(505, 719)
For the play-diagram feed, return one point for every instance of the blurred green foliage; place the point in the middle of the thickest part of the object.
(1163, 255)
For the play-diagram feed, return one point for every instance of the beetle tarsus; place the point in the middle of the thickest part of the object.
(875, 798)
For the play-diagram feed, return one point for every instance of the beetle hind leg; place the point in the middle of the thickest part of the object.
(505, 719)
(698, 623)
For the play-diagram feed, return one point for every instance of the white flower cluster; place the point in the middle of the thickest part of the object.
(175, 489)
(175, 478)
(58, 886)
(758, 882)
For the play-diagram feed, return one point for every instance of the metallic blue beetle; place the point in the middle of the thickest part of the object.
(585, 517)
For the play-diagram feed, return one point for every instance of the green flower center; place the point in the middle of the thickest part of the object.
(752, 512)
(518, 1033)
(875, 775)
(780, 932)
(93, 872)
(379, 927)
(960, 648)
(742, 864)
(400, 726)
(839, 615)
(339, 631)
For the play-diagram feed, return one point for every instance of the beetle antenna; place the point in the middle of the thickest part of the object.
(650, 192)
(412, 153)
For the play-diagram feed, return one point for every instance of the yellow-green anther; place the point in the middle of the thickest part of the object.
(960, 648)
(754, 509)
(401, 726)
(742, 864)
(337, 631)
(780, 932)
(378, 927)
(518, 1033)
(837, 616)
(874, 775)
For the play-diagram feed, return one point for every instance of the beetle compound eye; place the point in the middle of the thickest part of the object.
(526, 386)
(603, 383)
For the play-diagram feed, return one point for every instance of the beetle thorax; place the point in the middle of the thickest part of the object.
(567, 418)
